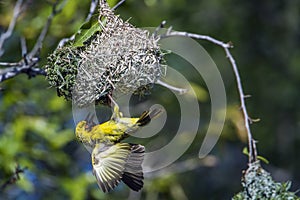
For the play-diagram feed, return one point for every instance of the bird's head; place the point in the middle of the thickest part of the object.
(84, 126)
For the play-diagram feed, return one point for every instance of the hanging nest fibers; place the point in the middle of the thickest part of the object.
(108, 56)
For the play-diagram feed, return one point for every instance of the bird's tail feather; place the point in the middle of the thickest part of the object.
(133, 172)
(146, 117)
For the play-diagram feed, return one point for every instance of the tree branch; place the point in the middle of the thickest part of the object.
(226, 47)
(93, 7)
(13, 178)
(118, 4)
(29, 61)
(39, 42)
(27, 67)
(9, 31)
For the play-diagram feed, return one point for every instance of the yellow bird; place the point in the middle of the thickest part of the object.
(112, 160)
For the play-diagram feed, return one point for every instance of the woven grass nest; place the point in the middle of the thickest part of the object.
(120, 59)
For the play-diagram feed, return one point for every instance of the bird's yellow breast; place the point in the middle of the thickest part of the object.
(108, 132)
(116, 127)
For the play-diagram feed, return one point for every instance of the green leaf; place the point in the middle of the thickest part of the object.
(263, 159)
(245, 151)
(88, 29)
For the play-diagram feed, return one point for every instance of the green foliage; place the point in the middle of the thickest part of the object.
(87, 30)
(77, 187)
(62, 70)
(245, 151)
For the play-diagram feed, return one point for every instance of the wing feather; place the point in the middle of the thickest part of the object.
(133, 174)
(117, 162)
(109, 164)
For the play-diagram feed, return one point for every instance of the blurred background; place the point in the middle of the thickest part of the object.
(37, 127)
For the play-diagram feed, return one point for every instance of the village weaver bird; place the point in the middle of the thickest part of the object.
(112, 160)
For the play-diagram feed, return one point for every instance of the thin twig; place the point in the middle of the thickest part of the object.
(23, 46)
(39, 42)
(199, 37)
(7, 34)
(118, 4)
(247, 119)
(9, 64)
(171, 87)
(13, 178)
(93, 7)
(226, 47)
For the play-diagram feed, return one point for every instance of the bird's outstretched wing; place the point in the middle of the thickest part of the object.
(109, 164)
(114, 163)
